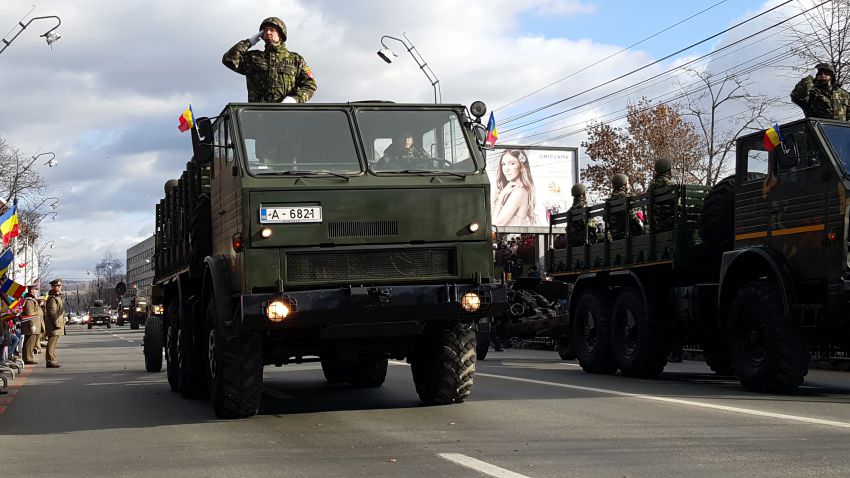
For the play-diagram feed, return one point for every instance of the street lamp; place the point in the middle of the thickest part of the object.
(387, 55)
(49, 36)
(50, 162)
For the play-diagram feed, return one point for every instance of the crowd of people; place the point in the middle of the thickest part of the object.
(31, 328)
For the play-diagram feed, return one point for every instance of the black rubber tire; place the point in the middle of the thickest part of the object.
(717, 220)
(119, 322)
(171, 333)
(89, 325)
(564, 347)
(638, 338)
(368, 372)
(767, 349)
(442, 362)
(335, 370)
(191, 358)
(591, 326)
(134, 323)
(153, 345)
(234, 371)
(108, 324)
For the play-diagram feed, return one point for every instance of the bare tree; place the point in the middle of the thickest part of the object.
(19, 179)
(719, 95)
(108, 272)
(823, 35)
(653, 131)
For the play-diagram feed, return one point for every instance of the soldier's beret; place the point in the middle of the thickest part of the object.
(56, 282)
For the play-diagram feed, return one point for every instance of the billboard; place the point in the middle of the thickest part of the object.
(527, 183)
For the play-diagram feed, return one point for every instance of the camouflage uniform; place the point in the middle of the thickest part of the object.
(665, 211)
(820, 100)
(402, 157)
(272, 74)
(616, 221)
(580, 231)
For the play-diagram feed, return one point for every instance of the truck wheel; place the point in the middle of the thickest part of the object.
(134, 323)
(120, 322)
(565, 349)
(109, 324)
(153, 346)
(482, 344)
(172, 370)
(89, 325)
(234, 370)
(369, 372)
(443, 364)
(335, 370)
(767, 350)
(190, 359)
(592, 334)
(638, 338)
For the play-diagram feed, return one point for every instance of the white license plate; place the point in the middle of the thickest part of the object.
(284, 215)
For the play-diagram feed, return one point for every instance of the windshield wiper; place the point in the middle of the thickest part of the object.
(426, 172)
(305, 173)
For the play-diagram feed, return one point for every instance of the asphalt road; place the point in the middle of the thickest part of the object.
(530, 414)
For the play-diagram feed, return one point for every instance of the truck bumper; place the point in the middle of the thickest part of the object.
(398, 310)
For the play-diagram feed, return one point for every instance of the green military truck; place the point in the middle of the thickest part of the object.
(294, 235)
(133, 309)
(756, 270)
(99, 315)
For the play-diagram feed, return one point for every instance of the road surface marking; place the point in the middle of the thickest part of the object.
(677, 401)
(479, 466)
(123, 338)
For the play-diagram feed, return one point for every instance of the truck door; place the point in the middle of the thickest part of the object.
(797, 193)
(751, 211)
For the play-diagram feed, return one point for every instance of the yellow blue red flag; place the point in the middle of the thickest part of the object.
(9, 225)
(772, 137)
(187, 120)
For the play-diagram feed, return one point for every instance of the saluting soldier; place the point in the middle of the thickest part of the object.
(274, 75)
(34, 327)
(821, 97)
(54, 321)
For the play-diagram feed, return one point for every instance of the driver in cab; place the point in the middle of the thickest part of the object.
(404, 154)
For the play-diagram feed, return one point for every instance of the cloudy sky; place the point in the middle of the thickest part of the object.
(106, 97)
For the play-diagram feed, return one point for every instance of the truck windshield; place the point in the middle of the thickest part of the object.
(839, 140)
(99, 311)
(286, 141)
(415, 141)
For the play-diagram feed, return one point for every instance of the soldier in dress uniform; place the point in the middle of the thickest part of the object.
(274, 75)
(54, 321)
(34, 327)
(821, 97)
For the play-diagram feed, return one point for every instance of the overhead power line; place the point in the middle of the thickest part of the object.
(636, 70)
(611, 55)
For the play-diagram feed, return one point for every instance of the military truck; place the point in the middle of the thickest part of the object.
(132, 308)
(99, 314)
(755, 270)
(293, 236)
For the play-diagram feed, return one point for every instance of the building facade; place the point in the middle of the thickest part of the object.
(140, 267)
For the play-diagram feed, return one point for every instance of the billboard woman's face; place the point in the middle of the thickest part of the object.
(510, 167)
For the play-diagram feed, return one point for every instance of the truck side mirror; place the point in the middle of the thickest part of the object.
(202, 140)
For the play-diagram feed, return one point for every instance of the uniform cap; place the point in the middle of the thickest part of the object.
(827, 67)
(619, 180)
(275, 22)
(56, 282)
(663, 165)
(578, 190)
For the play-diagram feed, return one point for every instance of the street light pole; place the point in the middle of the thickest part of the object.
(385, 54)
(49, 36)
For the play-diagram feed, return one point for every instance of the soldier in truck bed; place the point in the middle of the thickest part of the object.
(274, 75)
(821, 97)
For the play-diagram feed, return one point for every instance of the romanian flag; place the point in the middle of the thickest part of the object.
(5, 261)
(9, 225)
(12, 289)
(772, 138)
(187, 120)
(492, 132)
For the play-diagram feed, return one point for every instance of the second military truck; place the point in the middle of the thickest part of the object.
(310, 232)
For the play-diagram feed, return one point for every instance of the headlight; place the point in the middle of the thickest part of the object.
(277, 310)
(138, 309)
(470, 302)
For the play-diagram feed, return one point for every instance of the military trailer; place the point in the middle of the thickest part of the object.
(99, 315)
(756, 270)
(293, 236)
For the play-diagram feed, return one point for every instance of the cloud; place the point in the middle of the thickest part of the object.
(564, 7)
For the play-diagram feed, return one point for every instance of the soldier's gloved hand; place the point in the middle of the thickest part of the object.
(290, 99)
(255, 39)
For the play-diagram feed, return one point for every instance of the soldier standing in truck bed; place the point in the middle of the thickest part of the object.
(665, 210)
(821, 97)
(274, 75)
(616, 222)
(580, 231)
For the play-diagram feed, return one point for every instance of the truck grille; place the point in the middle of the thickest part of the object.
(363, 228)
(367, 265)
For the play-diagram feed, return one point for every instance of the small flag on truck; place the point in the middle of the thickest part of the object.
(187, 120)
(492, 132)
(772, 137)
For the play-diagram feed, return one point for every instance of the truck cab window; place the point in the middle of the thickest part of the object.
(757, 161)
(839, 140)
